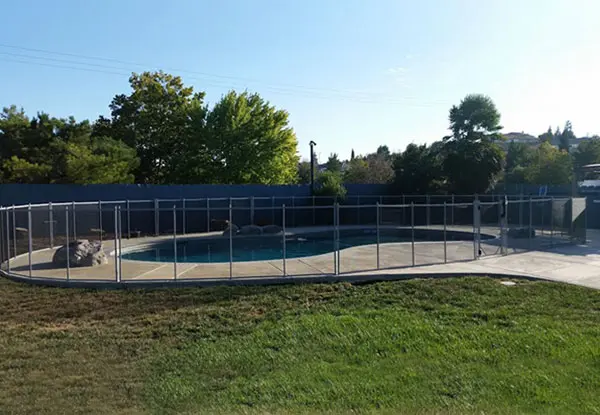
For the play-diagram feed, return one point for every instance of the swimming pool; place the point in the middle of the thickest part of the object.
(270, 247)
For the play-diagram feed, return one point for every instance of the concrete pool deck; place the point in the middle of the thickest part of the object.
(575, 264)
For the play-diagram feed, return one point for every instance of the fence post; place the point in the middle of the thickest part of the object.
(29, 237)
(230, 241)
(521, 211)
(552, 221)
(445, 239)
(284, 246)
(128, 208)
(74, 223)
(504, 230)
(183, 215)
(50, 224)
(174, 242)
(208, 215)
(100, 219)
(476, 227)
(14, 229)
(412, 230)
(334, 242)
(337, 236)
(530, 230)
(116, 229)
(8, 240)
(377, 235)
(156, 218)
(118, 250)
(67, 242)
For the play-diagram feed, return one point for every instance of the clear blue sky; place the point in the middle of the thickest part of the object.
(351, 73)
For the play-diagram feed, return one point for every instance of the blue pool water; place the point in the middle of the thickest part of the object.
(261, 248)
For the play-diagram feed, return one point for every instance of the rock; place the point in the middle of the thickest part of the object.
(271, 229)
(251, 230)
(219, 224)
(82, 253)
(521, 233)
(234, 229)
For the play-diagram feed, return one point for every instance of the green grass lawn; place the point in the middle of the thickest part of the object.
(460, 345)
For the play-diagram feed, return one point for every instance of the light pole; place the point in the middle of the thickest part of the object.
(312, 167)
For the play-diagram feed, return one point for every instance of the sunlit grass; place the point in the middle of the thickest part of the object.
(460, 345)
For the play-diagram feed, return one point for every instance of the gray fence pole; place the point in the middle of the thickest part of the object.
(505, 226)
(29, 238)
(445, 239)
(67, 242)
(208, 215)
(283, 246)
(8, 239)
(14, 229)
(100, 219)
(377, 215)
(119, 251)
(552, 221)
(74, 223)
(530, 230)
(116, 229)
(183, 214)
(252, 222)
(156, 217)
(337, 236)
(542, 227)
(521, 211)
(50, 224)
(412, 230)
(476, 227)
(334, 242)
(128, 207)
(175, 242)
(230, 241)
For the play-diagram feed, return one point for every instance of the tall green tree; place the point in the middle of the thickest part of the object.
(547, 137)
(357, 171)
(549, 166)
(334, 164)
(518, 157)
(566, 136)
(250, 141)
(162, 120)
(588, 152)
(472, 160)
(418, 170)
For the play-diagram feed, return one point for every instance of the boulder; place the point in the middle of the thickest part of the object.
(82, 253)
(218, 224)
(250, 230)
(521, 233)
(234, 229)
(271, 229)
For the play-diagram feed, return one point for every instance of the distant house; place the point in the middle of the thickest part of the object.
(518, 138)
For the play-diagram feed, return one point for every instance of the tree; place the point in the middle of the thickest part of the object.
(334, 164)
(566, 137)
(330, 184)
(472, 160)
(380, 169)
(588, 152)
(157, 119)
(547, 137)
(417, 170)
(250, 141)
(352, 155)
(549, 166)
(357, 171)
(475, 119)
(518, 157)
(384, 152)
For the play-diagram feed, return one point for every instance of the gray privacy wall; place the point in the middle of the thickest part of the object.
(19, 194)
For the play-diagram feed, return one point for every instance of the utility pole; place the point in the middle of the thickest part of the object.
(312, 167)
